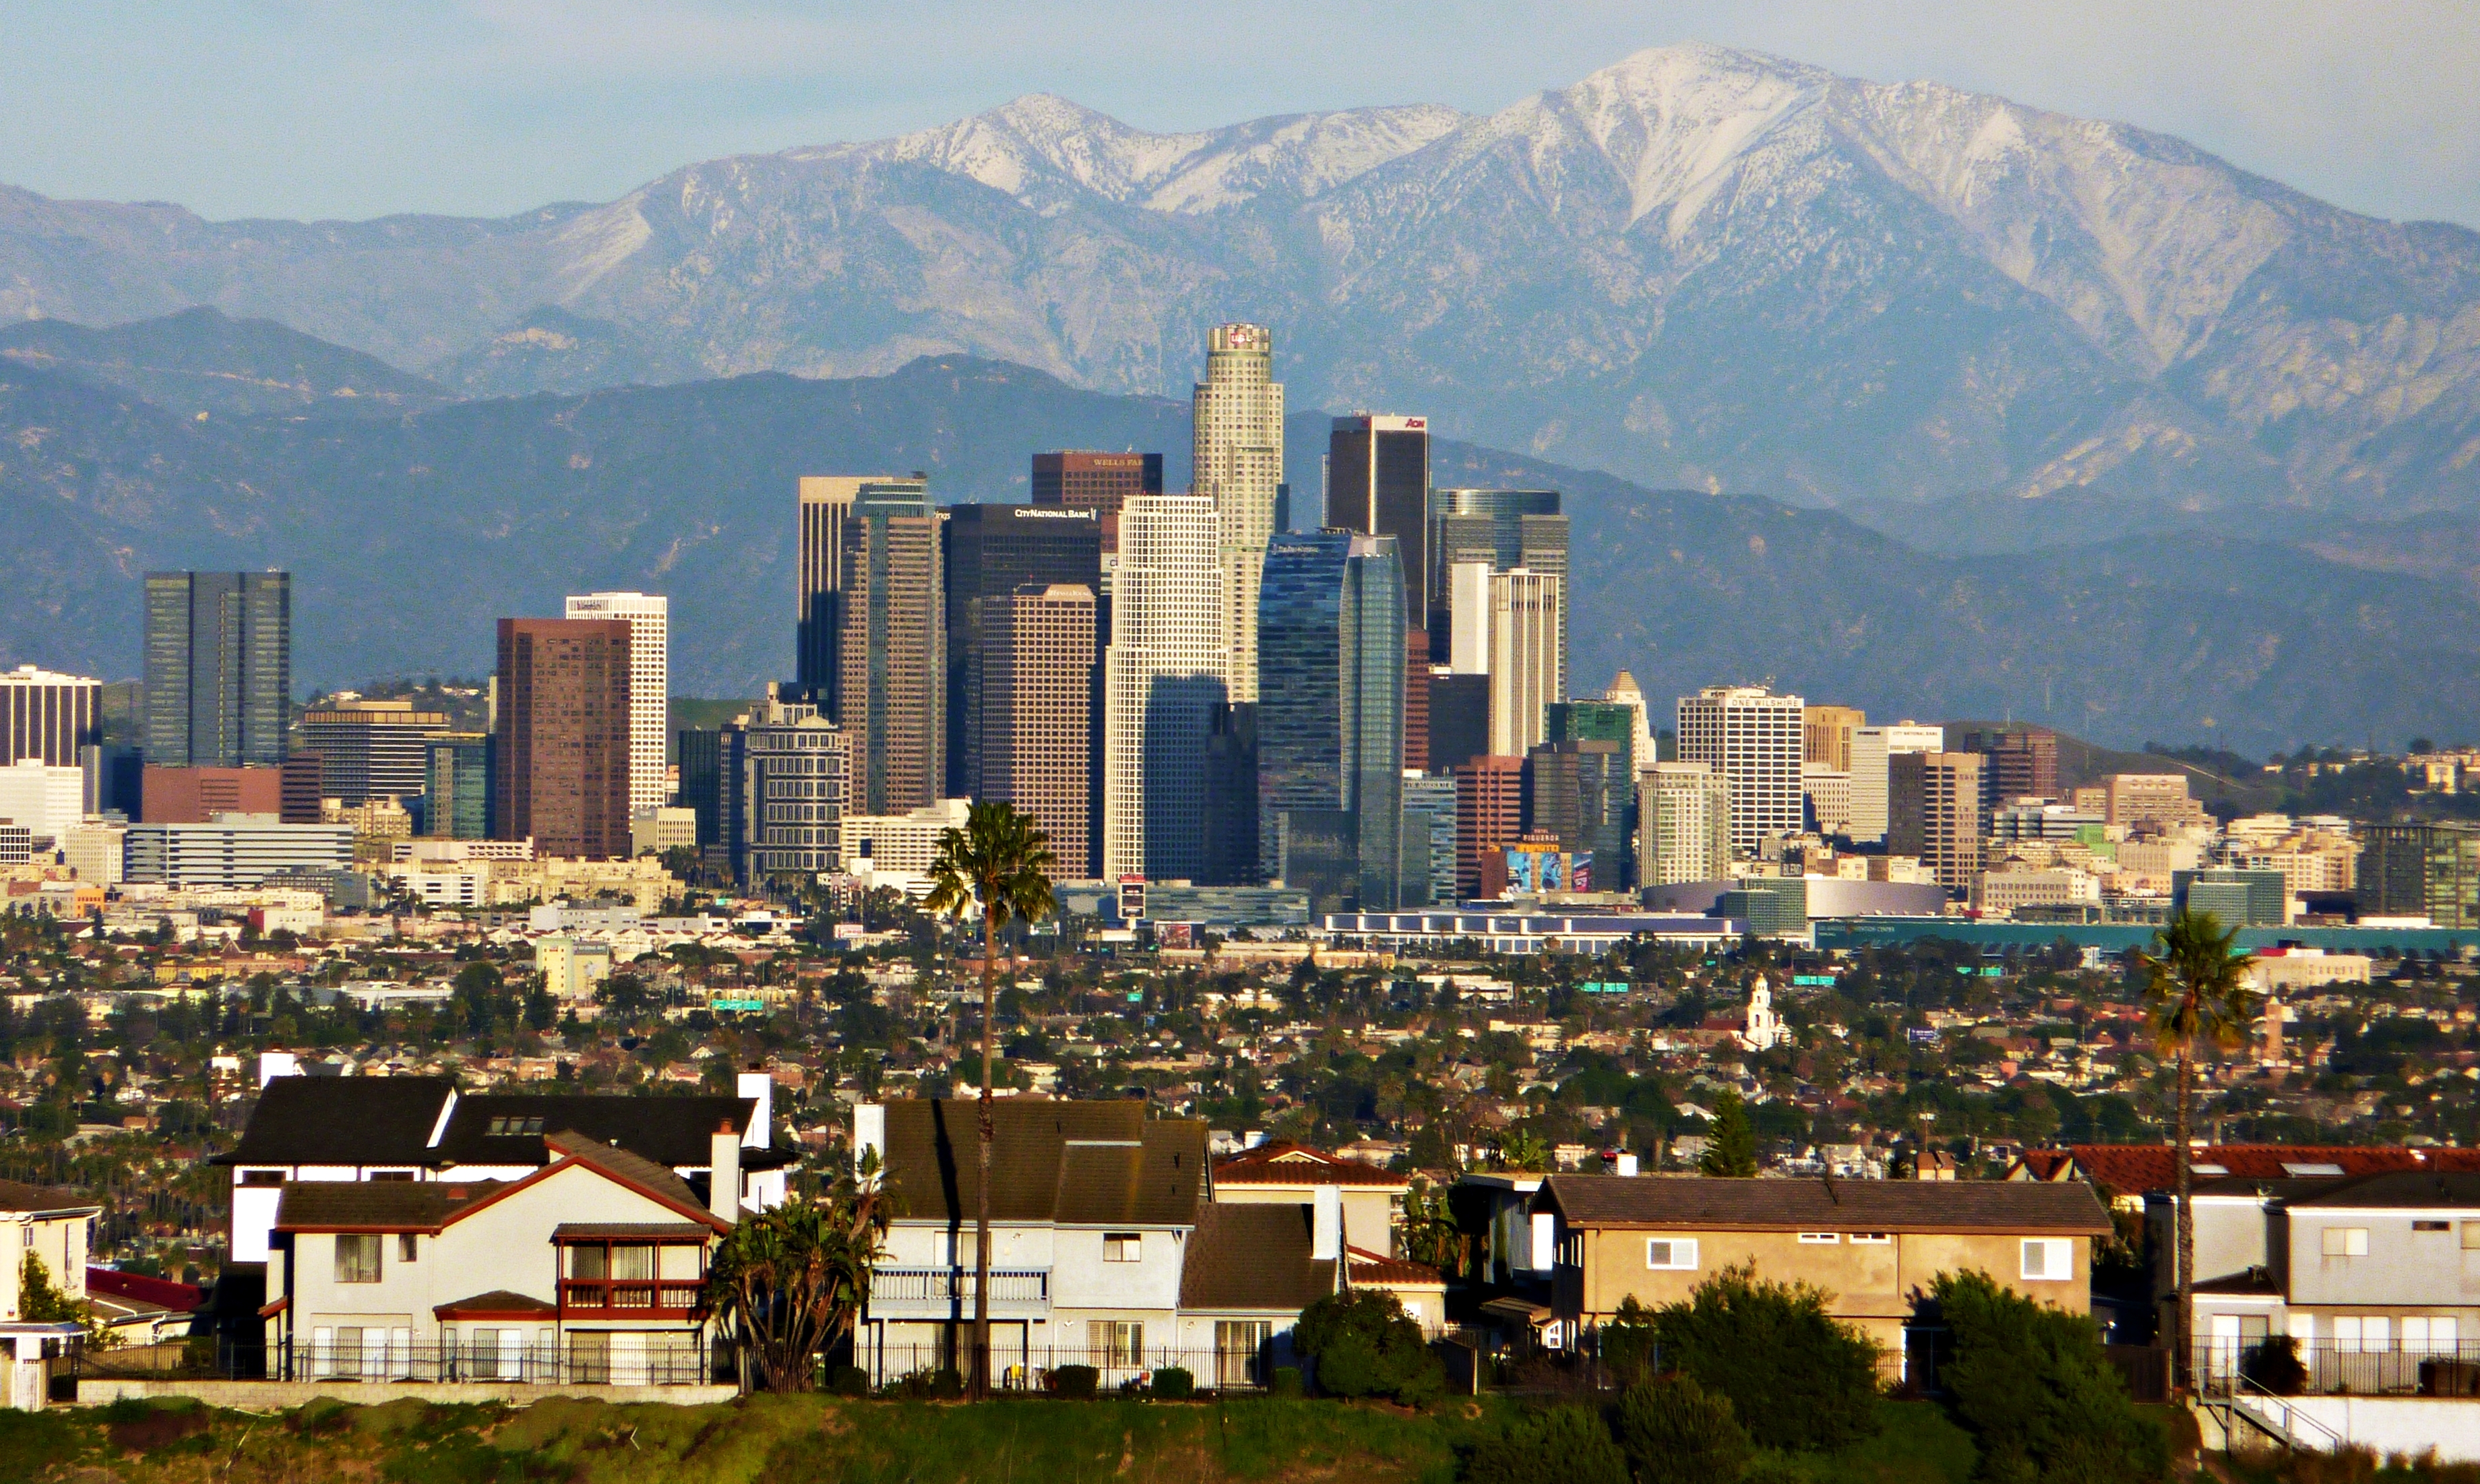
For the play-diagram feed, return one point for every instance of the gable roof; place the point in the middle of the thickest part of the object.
(655, 1182)
(343, 1120)
(376, 1205)
(1253, 1257)
(1283, 1162)
(1691, 1202)
(389, 1120)
(1073, 1163)
(668, 1130)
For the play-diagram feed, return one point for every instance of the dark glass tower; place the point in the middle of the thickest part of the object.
(219, 668)
(1329, 718)
(992, 550)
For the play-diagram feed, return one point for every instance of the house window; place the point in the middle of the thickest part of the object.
(357, 1258)
(1872, 1238)
(633, 1263)
(2427, 1335)
(2432, 1225)
(262, 1177)
(589, 1262)
(1677, 1253)
(2346, 1241)
(1123, 1247)
(2372, 1333)
(2471, 1237)
(1116, 1341)
(1819, 1239)
(407, 1246)
(2048, 1259)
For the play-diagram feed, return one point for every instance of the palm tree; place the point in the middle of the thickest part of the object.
(998, 861)
(2200, 1000)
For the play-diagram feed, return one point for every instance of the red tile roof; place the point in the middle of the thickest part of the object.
(2135, 1169)
(1283, 1162)
(113, 1283)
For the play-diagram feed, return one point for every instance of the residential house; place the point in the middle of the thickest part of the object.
(1874, 1246)
(585, 1268)
(140, 1309)
(1284, 1172)
(48, 1223)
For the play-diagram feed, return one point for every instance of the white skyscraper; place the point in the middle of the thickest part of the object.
(1623, 690)
(1163, 676)
(1527, 667)
(650, 685)
(1755, 740)
(1685, 809)
(1872, 747)
(1239, 464)
(1468, 618)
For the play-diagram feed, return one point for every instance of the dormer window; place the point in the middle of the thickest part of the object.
(514, 1124)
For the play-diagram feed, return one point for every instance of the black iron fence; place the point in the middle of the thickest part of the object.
(570, 1360)
(1130, 1367)
(2292, 1366)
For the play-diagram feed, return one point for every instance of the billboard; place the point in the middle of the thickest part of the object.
(1534, 869)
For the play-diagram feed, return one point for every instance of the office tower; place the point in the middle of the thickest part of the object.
(1489, 815)
(2238, 897)
(301, 789)
(1582, 793)
(993, 552)
(1623, 690)
(193, 795)
(1230, 786)
(1826, 735)
(2023, 763)
(373, 749)
(50, 718)
(1428, 840)
(1164, 677)
(1378, 484)
(47, 799)
(1753, 738)
(1466, 617)
(1329, 718)
(1686, 807)
(2430, 870)
(1871, 747)
(115, 779)
(1615, 722)
(1239, 466)
(1828, 791)
(1504, 528)
(1528, 657)
(560, 751)
(219, 668)
(700, 753)
(1096, 482)
(1933, 812)
(1458, 720)
(785, 777)
(828, 504)
(456, 785)
(891, 693)
(650, 685)
(1034, 709)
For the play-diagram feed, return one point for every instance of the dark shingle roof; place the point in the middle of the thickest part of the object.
(629, 1166)
(1814, 1205)
(342, 1120)
(1076, 1163)
(2394, 1190)
(15, 1195)
(668, 1131)
(1252, 1257)
(374, 1204)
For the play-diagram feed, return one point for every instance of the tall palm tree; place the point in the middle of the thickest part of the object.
(999, 862)
(2200, 1000)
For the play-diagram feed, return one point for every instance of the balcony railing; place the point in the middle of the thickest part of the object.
(950, 1285)
(628, 1295)
(2325, 1367)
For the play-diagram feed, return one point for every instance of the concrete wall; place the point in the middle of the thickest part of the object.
(2402, 1265)
(2401, 1424)
(261, 1395)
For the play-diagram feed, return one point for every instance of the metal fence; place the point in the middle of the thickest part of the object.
(576, 1360)
(1116, 1369)
(2360, 1367)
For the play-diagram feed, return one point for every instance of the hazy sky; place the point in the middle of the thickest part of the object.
(343, 108)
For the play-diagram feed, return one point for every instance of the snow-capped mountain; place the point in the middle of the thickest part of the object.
(1697, 266)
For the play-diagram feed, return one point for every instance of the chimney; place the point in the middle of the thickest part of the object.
(869, 1130)
(1326, 1225)
(756, 1084)
(275, 1064)
(723, 1173)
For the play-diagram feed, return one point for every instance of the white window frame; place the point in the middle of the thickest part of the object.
(2344, 1241)
(2057, 1259)
(1678, 1253)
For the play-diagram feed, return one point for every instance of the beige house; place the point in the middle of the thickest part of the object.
(1875, 1245)
(587, 1269)
(54, 1225)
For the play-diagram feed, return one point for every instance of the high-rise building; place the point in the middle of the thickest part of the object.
(1239, 466)
(1096, 482)
(1464, 617)
(2430, 870)
(456, 785)
(1617, 723)
(1828, 791)
(1623, 690)
(1528, 657)
(1378, 484)
(1933, 813)
(371, 749)
(301, 784)
(1428, 840)
(560, 751)
(2023, 763)
(1163, 682)
(1231, 785)
(783, 784)
(992, 553)
(828, 504)
(1827, 733)
(649, 617)
(699, 750)
(1582, 791)
(891, 693)
(1872, 749)
(47, 799)
(1505, 527)
(1329, 718)
(1489, 815)
(219, 668)
(1686, 809)
(1753, 738)
(1034, 712)
(1458, 720)
(195, 795)
(48, 716)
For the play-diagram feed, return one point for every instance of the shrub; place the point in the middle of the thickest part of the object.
(2030, 1383)
(1675, 1431)
(2276, 1367)
(1366, 1345)
(1078, 1383)
(1287, 1381)
(1568, 1443)
(1627, 1342)
(1796, 1378)
(850, 1381)
(1173, 1383)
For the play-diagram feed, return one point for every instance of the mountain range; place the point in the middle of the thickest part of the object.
(1972, 323)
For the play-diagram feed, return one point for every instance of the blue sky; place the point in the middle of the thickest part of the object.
(341, 108)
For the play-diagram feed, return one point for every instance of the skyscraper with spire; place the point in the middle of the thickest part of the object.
(1239, 465)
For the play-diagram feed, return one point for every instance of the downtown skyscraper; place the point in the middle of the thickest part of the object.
(649, 617)
(219, 668)
(1377, 482)
(560, 745)
(1164, 682)
(874, 632)
(1239, 466)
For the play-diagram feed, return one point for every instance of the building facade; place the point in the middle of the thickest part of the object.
(649, 617)
(993, 552)
(1583, 793)
(1503, 529)
(828, 504)
(1528, 657)
(890, 698)
(48, 800)
(233, 850)
(456, 785)
(1826, 733)
(1870, 748)
(219, 668)
(1428, 840)
(1034, 710)
(1096, 482)
(1686, 814)
(371, 749)
(1164, 675)
(1490, 816)
(784, 776)
(49, 716)
(1238, 465)
(1934, 814)
(2430, 870)
(561, 750)
(1756, 739)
